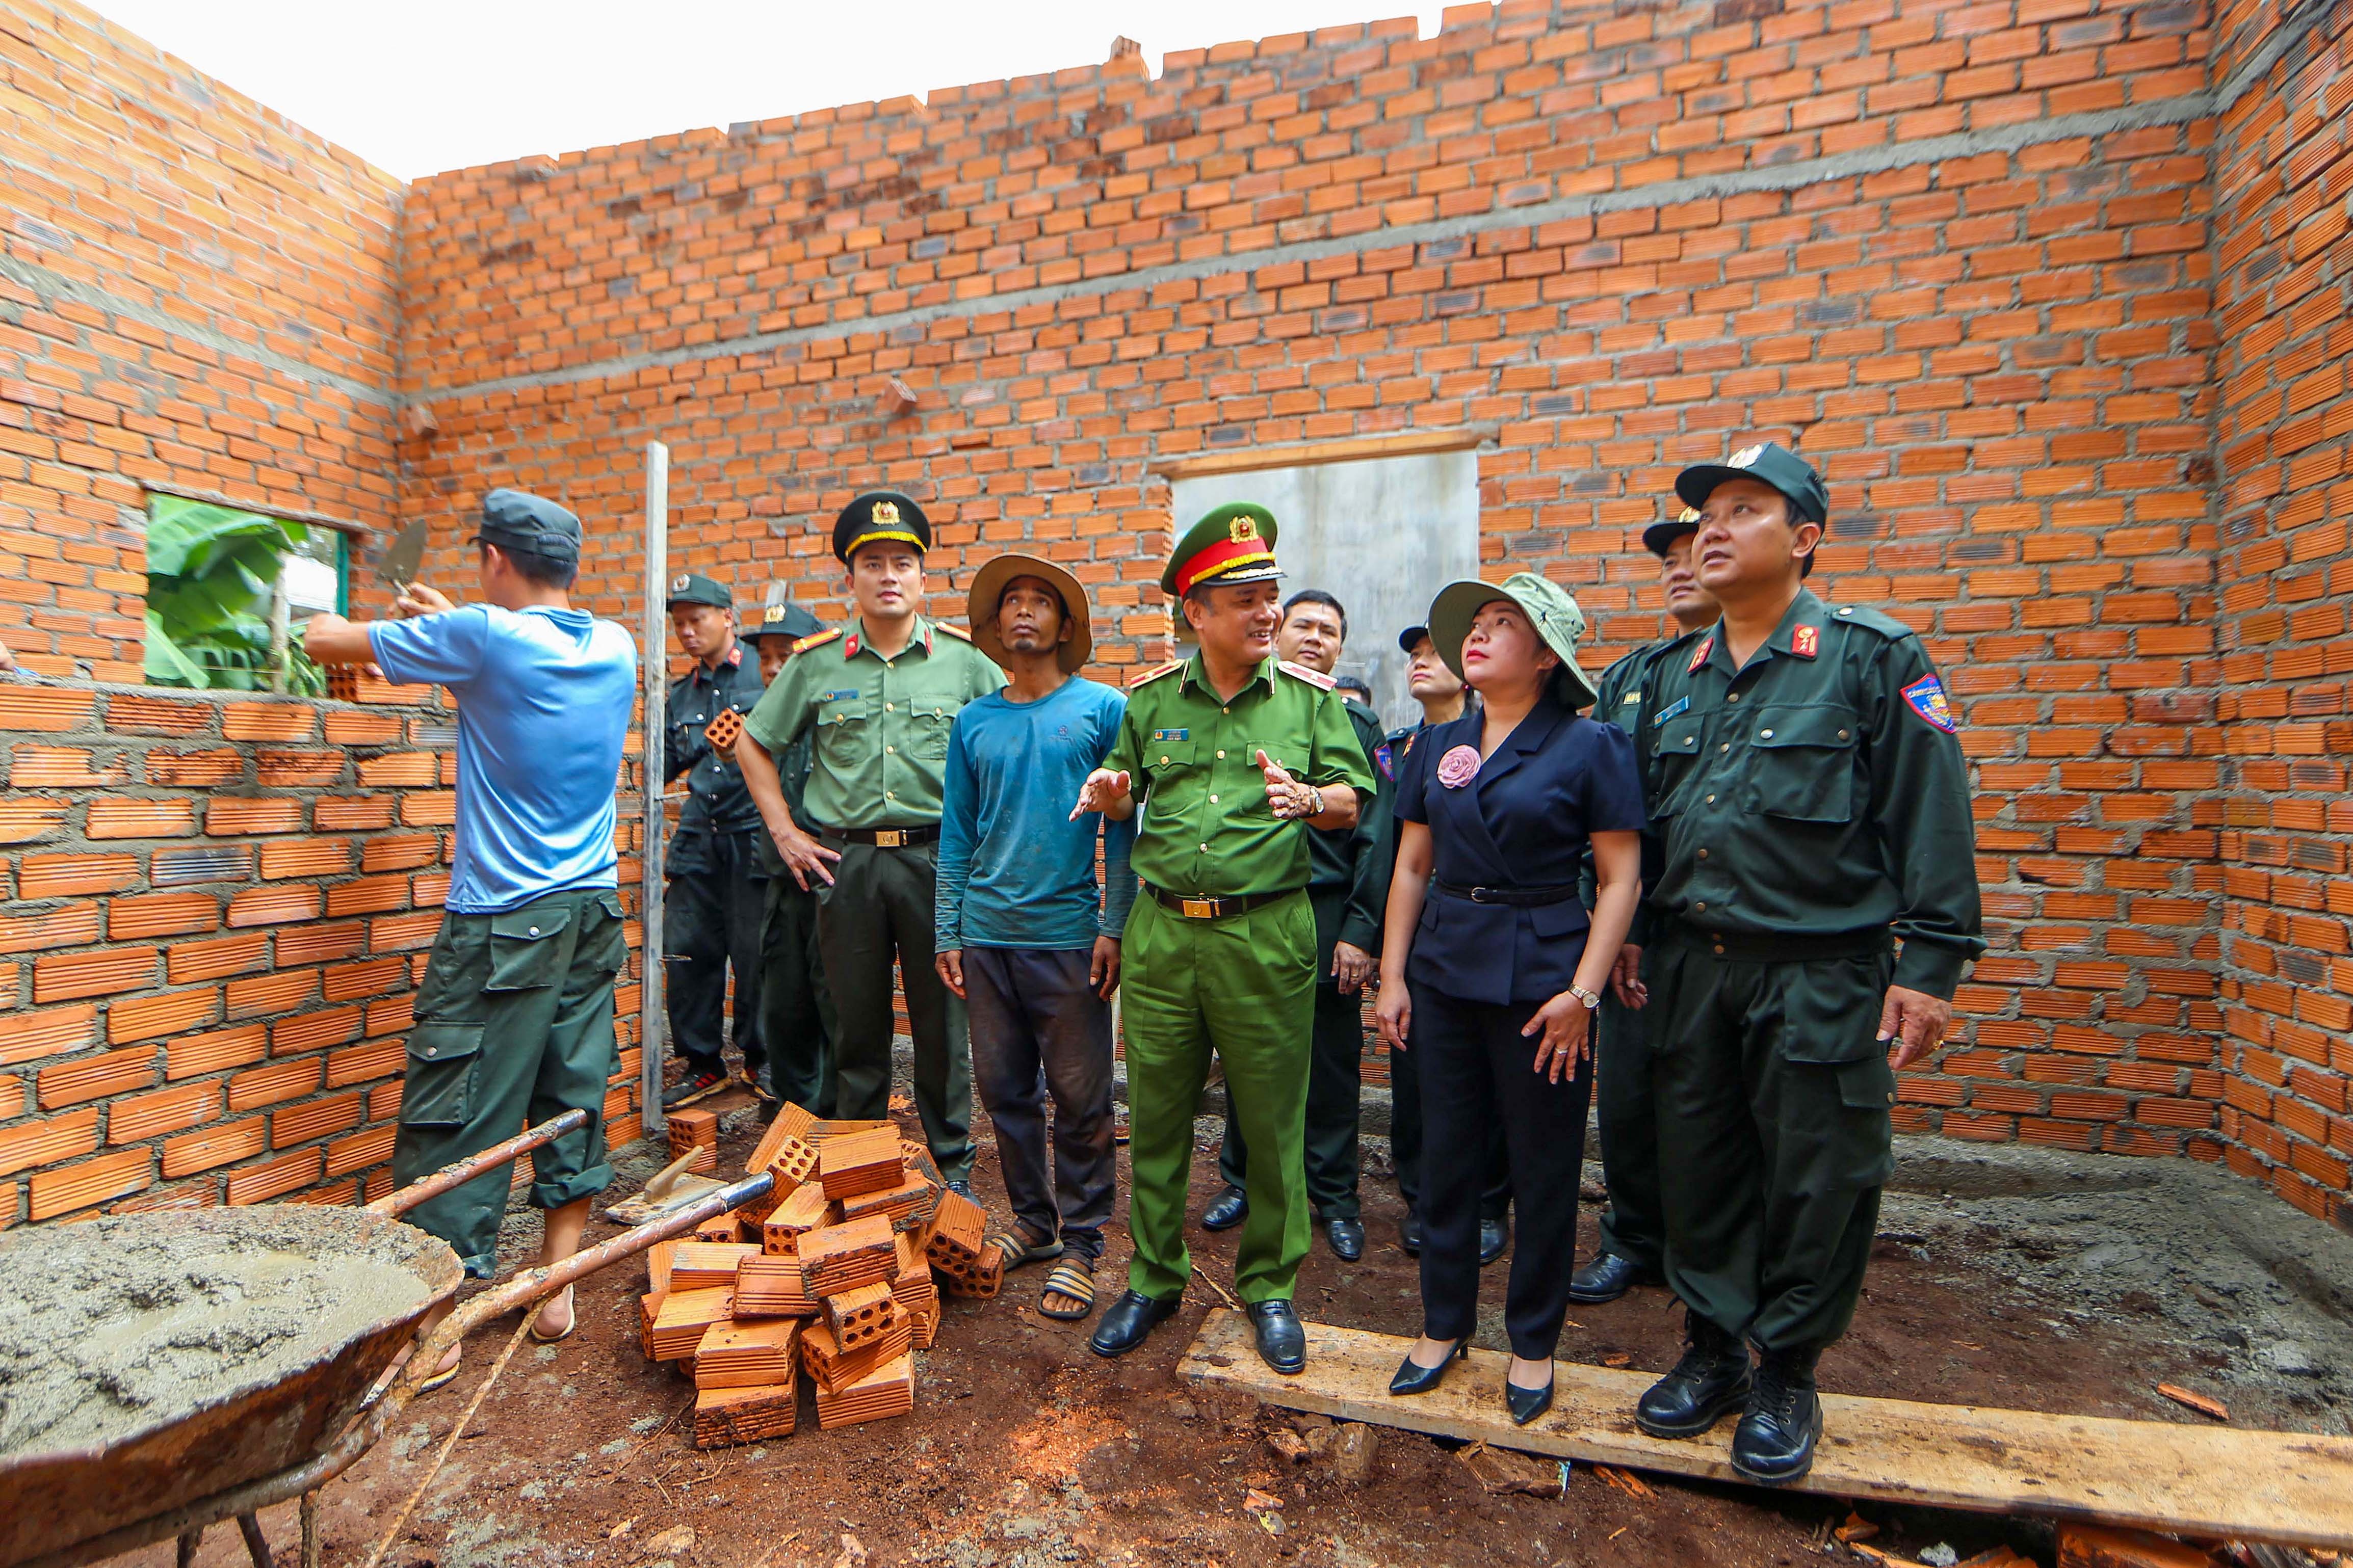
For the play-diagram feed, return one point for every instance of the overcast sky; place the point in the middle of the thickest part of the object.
(430, 85)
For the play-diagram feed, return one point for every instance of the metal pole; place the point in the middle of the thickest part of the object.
(654, 664)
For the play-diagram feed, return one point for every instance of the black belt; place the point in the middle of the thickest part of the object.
(1517, 897)
(883, 837)
(1194, 908)
(1780, 947)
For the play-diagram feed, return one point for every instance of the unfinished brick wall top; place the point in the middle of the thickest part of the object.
(193, 293)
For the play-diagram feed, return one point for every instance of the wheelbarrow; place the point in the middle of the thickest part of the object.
(251, 1442)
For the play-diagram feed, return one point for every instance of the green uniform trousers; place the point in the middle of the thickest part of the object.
(711, 923)
(513, 1025)
(878, 909)
(1775, 1133)
(796, 1021)
(1244, 986)
(1335, 1086)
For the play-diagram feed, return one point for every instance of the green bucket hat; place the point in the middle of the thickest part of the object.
(1549, 609)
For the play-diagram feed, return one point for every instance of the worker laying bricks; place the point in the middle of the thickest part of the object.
(879, 695)
(1233, 752)
(514, 1021)
(1024, 933)
(1809, 789)
(796, 1022)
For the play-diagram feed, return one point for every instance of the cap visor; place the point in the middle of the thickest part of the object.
(1696, 483)
(1411, 635)
(1658, 535)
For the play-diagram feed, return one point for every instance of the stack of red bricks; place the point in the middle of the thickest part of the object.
(831, 1275)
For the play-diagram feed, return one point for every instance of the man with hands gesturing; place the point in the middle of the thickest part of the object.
(1230, 751)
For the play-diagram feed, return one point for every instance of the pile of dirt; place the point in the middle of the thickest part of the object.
(115, 1326)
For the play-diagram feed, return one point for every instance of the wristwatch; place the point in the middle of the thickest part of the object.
(1590, 1000)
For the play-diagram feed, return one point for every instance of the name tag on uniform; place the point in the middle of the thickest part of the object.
(1172, 735)
(837, 696)
(1677, 706)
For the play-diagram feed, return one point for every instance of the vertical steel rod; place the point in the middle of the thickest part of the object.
(655, 666)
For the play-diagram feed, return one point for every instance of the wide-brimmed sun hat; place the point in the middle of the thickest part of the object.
(988, 588)
(1549, 609)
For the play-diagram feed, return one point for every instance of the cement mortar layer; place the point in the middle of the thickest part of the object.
(117, 1326)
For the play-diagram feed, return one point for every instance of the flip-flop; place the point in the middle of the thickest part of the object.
(444, 1378)
(1019, 1249)
(1074, 1279)
(570, 1330)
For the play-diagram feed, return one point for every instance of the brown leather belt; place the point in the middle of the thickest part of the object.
(883, 837)
(1196, 908)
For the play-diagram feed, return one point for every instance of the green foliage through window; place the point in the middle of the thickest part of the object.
(214, 574)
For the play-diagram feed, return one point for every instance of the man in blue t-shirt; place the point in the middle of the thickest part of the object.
(514, 1021)
(1022, 931)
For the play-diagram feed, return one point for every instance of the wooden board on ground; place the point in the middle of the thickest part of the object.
(2201, 1481)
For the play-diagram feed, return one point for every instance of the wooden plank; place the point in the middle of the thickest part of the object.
(1302, 454)
(2203, 1480)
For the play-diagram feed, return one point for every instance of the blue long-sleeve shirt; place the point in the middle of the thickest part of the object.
(1014, 869)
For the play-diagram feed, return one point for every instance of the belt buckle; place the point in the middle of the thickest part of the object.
(1197, 909)
(1478, 895)
(888, 838)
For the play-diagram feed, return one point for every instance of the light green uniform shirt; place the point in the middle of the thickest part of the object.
(1206, 829)
(879, 727)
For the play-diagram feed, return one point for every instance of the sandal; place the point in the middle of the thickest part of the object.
(1073, 1279)
(569, 1328)
(1018, 1249)
(444, 1378)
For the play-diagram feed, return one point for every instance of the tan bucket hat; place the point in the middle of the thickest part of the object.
(1549, 608)
(988, 587)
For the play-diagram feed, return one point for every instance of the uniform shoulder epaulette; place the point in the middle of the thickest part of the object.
(1879, 621)
(1315, 677)
(954, 631)
(816, 640)
(1155, 672)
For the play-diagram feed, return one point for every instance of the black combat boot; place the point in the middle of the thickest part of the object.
(1775, 1443)
(1709, 1384)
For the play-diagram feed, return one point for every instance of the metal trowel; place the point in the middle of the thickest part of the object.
(397, 570)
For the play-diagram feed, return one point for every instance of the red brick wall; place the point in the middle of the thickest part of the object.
(216, 913)
(2284, 276)
(193, 293)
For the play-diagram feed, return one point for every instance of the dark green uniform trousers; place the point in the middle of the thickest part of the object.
(513, 1025)
(1336, 1086)
(879, 908)
(1774, 1113)
(711, 923)
(1243, 986)
(1633, 1226)
(796, 1021)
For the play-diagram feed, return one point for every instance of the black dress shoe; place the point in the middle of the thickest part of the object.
(1494, 1235)
(1610, 1275)
(1774, 1442)
(1526, 1404)
(1409, 1234)
(1130, 1319)
(1281, 1340)
(1708, 1383)
(1413, 1377)
(1227, 1210)
(1347, 1238)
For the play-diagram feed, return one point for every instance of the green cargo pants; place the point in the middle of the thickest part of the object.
(513, 1025)
(796, 1022)
(1775, 1133)
(879, 908)
(1243, 986)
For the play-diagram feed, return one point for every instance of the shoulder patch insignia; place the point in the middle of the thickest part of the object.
(816, 640)
(1699, 654)
(954, 631)
(1384, 761)
(1806, 642)
(1315, 677)
(1155, 672)
(1926, 698)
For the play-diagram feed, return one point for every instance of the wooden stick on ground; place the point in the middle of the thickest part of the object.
(400, 1520)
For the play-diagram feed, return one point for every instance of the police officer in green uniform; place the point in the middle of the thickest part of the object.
(1349, 888)
(1633, 1236)
(711, 919)
(797, 1023)
(878, 695)
(1232, 752)
(1805, 779)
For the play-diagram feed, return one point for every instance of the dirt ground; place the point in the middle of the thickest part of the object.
(2001, 1278)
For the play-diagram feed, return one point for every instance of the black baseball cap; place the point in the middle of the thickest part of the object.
(1658, 535)
(1770, 463)
(1411, 635)
(517, 519)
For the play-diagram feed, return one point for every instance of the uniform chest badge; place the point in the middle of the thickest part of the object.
(1806, 641)
(1926, 698)
(1671, 709)
(1172, 735)
(1459, 766)
(1699, 654)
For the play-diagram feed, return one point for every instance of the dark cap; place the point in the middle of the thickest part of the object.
(878, 516)
(1769, 463)
(517, 519)
(784, 621)
(1411, 635)
(1658, 535)
(695, 588)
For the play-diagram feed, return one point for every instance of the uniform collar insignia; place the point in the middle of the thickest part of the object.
(735, 656)
(1699, 654)
(1806, 642)
(849, 645)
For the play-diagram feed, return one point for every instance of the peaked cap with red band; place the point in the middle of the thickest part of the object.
(1234, 543)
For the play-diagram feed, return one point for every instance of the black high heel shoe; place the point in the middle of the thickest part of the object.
(1414, 1378)
(1526, 1403)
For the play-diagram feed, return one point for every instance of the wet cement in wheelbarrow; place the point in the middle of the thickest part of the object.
(114, 1326)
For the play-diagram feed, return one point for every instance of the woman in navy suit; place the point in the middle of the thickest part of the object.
(1490, 966)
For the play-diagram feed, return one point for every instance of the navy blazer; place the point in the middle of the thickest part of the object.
(1521, 823)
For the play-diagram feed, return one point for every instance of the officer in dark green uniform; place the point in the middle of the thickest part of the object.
(1633, 1234)
(878, 696)
(1232, 752)
(712, 918)
(797, 1023)
(1809, 788)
